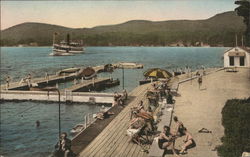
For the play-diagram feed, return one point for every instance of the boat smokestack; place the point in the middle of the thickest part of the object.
(68, 39)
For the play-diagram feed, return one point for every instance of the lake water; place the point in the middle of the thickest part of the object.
(20, 137)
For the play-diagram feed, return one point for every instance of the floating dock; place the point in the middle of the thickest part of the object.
(11, 95)
(71, 94)
(79, 92)
(48, 80)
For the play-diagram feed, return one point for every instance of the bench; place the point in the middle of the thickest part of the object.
(232, 69)
(165, 119)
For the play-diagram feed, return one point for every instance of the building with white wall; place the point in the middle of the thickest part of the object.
(237, 57)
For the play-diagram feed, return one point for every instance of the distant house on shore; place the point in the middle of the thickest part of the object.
(237, 57)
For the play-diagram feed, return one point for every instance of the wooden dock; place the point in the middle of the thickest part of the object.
(113, 141)
(51, 79)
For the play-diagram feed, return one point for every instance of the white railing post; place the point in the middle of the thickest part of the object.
(93, 81)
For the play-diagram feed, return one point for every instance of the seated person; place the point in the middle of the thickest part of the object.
(145, 115)
(133, 112)
(189, 141)
(140, 105)
(153, 97)
(169, 97)
(166, 139)
(150, 111)
(104, 113)
(178, 131)
(136, 122)
(117, 98)
(139, 108)
(136, 128)
(125, 94)
(63, 146)
(154, 86)
(135, 125)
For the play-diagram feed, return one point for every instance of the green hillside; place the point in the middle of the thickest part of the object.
(217, 30)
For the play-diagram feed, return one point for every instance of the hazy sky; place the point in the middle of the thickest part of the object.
(78, 14)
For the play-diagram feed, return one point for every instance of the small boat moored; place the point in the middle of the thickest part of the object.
(128, 65)
(87, 73)
(76, 129)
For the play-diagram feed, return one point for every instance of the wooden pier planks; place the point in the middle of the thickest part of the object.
(112, 141)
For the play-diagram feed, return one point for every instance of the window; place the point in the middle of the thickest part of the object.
(231, 60)
(242, 61)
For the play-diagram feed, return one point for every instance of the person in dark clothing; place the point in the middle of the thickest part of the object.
(7, 82)
(117, 98)
(63, 146)
(200, 81)
(166, 139)
(188, 142)
(37, 123)
(169, 97)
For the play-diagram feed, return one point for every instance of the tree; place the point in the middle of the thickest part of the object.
(244, 11)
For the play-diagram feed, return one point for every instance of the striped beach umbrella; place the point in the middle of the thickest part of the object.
(157, 73)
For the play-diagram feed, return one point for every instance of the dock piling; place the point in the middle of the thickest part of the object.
(85, 121)
(93, 81)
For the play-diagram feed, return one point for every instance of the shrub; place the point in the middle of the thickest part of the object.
(236, 121)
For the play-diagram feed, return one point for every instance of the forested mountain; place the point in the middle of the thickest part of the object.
(218, 30)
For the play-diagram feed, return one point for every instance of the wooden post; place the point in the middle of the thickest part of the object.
(122, 77)
(191, 77)
(46, 77)
(89, 118)
(85, 118)
(65, 94)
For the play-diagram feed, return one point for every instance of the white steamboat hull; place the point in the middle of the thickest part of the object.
(69, 51)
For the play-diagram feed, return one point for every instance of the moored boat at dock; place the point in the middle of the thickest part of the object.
(76, 129)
